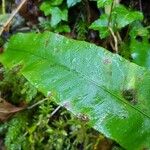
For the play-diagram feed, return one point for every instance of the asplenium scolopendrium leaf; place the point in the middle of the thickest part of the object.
(86, 79)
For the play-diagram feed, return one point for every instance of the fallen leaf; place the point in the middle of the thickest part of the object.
(7, 109)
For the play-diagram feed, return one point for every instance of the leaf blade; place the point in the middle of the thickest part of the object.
(89, 80)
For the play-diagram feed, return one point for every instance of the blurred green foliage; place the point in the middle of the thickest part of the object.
(58, 14)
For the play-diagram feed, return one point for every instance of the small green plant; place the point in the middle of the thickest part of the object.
(113, 20)
(58, 13)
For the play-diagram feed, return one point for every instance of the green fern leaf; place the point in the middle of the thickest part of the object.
(110, 93)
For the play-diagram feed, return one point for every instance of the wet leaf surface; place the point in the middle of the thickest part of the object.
(87, 80)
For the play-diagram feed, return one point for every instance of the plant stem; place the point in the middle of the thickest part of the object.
(110, 28)
(39, 102)
(110, 14)
(3, 7)
(115, 39)
(119, 37)
(12, 16)
(54, 111)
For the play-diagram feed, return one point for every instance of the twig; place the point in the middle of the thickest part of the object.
(119, 37)
(115, 39)
(127, 34)
(112, 46)
(54, 111)
(12, 16)
(3, 7)
(39, 102)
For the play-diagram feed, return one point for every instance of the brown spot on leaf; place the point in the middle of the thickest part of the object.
(130, 95)
(107, 61)
(83, 117)
(103, 144)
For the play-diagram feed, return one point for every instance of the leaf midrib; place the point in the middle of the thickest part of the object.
(90, 80)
